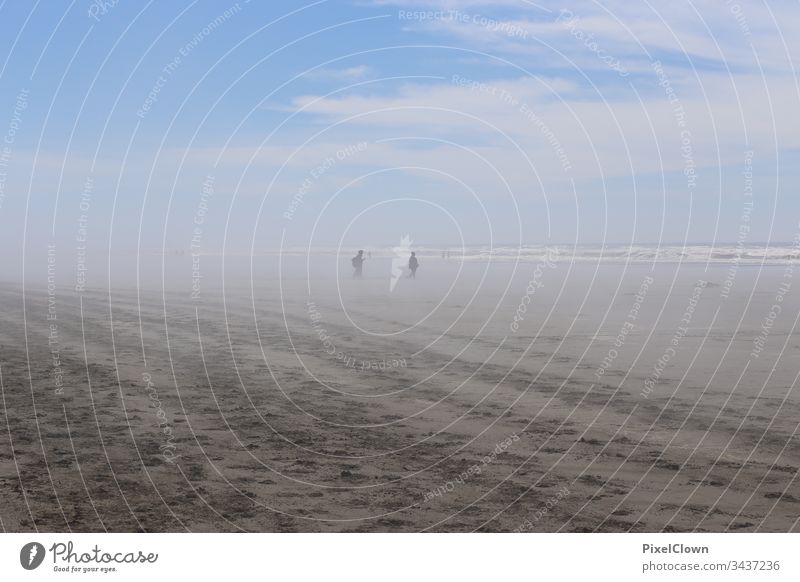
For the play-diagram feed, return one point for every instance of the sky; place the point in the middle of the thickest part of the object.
(246, 126)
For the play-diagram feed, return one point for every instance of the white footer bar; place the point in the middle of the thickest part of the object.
(390, 557)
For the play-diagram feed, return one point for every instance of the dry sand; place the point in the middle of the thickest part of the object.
(273, 431)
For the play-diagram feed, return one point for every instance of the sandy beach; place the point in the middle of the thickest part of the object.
(619, 398)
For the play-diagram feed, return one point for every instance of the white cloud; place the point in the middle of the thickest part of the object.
(738, 35)
(348, 74)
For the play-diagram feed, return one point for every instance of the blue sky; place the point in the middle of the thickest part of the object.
(504, 121)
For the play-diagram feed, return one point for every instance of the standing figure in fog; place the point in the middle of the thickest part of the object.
(358, 263)
(413, 263)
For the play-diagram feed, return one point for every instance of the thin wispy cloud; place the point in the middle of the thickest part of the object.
(345, 74)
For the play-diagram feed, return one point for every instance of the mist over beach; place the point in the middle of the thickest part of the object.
(640, 396)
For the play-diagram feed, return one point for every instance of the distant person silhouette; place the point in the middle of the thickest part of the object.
(358, 263)
(413, 263)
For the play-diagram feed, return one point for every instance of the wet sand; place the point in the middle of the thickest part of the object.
(341, 405)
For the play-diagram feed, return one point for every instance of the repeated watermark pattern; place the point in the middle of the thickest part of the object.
(168, 447)
(169, 69)
(472, 470)
(744, 226)
(317, 172)
(765, 329)
(529, 524)
(679, 114)
(672, 350)
(549, 262)
(506, 28)
(53, 337)
(571, 21)
(626, 329)
(82, 236)
(739, 15)
(345, 359)
(20, 105)
(99, 8)
(650, 150)
(195, 244)
(527, 111)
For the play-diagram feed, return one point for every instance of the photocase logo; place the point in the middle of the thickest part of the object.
(31, 555)
(400, 259)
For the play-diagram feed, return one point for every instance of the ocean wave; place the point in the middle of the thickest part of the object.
(773, 254)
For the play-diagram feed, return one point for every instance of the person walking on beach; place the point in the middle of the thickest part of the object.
(358, 263)
(413, 263)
